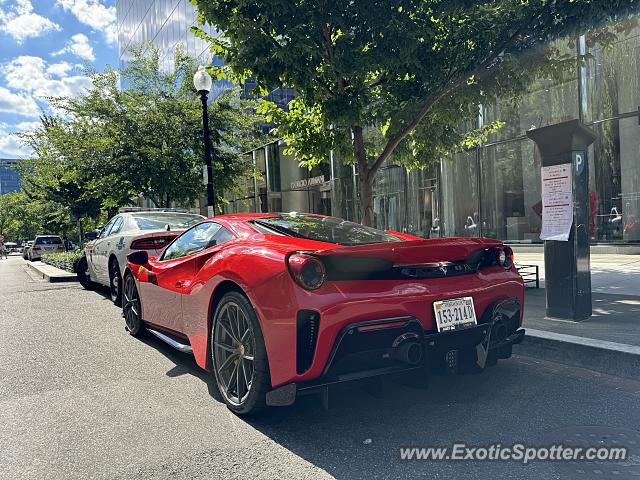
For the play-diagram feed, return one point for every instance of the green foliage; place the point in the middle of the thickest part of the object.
(22, 219)
(64, 261)
(414, 70)
(110, 145)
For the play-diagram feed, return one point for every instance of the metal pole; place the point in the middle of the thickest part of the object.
(211, 199)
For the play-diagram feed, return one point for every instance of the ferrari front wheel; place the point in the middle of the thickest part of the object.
(238, 355)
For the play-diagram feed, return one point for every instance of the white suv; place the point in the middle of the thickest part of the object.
(45, 244)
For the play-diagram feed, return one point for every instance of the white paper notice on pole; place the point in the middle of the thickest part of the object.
(557, 202)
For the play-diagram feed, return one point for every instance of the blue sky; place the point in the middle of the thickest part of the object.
(44, 46)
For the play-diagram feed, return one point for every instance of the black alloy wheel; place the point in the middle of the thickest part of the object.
(131, 307)
(82, 271)
(238, 355)
(115, 283)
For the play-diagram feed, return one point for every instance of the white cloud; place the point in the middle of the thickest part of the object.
(30, 75)
(10, 144)
(21, 22)
(59, 69)
(18, 103)
(78, 45)
(94, 14)
(28, 126)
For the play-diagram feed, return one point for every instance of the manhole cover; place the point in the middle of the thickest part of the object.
(597, 437)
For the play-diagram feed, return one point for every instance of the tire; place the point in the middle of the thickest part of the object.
(82, 271)
(131, 307)
(240, 365)
(115, 283)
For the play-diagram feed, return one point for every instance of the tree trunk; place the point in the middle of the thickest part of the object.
(80, 232)
(365, 190)
(365, 178)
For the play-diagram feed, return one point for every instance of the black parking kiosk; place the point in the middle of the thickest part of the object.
(566, 263)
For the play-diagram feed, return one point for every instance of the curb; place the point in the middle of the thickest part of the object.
(601, 356)
(51, 274)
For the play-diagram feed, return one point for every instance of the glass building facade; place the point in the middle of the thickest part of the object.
(493, 191)
(9, 177)
(163, 23)
(166, 24)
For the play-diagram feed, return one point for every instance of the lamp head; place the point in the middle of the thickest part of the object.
(202, 80)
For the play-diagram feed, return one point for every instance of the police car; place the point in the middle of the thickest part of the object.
(131, 229)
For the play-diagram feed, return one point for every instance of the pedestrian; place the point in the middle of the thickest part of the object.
(3, 251)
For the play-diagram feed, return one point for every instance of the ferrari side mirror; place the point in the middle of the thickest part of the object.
(140, 257)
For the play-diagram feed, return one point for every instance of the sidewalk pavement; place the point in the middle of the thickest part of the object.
(616, 274)
(616, 318)
(51, 273)
(609, 341)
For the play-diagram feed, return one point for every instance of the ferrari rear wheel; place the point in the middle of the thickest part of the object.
(131, 307)
(115, 283)
(238, 354)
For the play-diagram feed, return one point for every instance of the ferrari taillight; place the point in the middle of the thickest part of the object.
(150, 243)
(307, 270)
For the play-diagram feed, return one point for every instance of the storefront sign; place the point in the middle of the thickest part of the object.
(307, 182)
(557, 202)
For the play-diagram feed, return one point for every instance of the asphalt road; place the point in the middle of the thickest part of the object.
(80, 398)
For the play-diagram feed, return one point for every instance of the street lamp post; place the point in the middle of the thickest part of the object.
(202, 81)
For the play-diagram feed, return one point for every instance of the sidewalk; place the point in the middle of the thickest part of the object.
(616, 318)
(617, 274)
(51, 273)
(609, 341)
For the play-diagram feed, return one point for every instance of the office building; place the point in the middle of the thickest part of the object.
(9, 177)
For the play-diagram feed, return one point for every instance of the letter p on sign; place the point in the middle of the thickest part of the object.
(580, 160)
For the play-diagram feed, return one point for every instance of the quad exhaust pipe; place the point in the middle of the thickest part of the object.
(408, 351)
(498, 331)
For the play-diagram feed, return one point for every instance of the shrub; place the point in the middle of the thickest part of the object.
(65, 261)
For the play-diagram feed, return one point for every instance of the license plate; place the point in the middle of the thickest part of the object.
(454, 314)
(49, 248)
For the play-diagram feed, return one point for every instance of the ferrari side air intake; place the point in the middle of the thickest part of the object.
(307, 324)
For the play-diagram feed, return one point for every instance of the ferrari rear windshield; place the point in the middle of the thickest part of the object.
(159, 220)
(323, 229)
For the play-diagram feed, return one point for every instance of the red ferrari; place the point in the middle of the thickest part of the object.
(278, 305)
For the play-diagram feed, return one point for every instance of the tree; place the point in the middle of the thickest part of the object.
(20, 218)
(111, 145)
(374, 77)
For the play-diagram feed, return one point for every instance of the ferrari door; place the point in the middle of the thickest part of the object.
(161, 295)
(172, 273)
